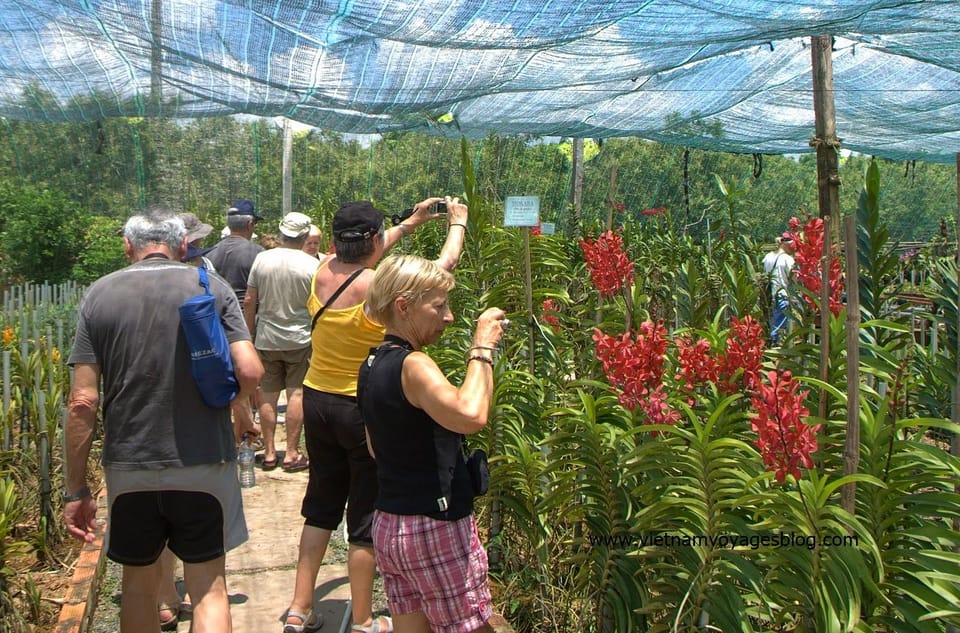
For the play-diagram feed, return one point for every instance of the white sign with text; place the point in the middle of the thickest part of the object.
(521, 211)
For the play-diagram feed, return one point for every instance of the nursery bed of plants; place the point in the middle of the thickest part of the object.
(656, 464)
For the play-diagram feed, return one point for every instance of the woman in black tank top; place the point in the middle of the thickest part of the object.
(424, 532)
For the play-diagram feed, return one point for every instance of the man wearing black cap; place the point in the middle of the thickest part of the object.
(341, 469)
(233, 256)
(779, 266)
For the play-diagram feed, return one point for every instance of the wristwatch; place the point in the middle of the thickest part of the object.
(83, 493)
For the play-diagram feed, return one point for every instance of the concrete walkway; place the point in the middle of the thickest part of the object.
(262, 571)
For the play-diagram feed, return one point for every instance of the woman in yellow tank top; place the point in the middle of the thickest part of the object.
(342, 473)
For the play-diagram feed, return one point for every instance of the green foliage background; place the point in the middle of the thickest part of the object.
(114, 167)
(569, 462)
(40, 233)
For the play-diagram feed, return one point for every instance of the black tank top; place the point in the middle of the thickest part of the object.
(420, 464)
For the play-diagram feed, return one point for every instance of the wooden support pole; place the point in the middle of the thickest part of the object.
(825, 314)
(531, 324)
(612, 197)
(828, 183)
(576, 188)
(851, 448)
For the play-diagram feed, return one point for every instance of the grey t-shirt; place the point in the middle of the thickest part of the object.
(233, 257)
(129, 325)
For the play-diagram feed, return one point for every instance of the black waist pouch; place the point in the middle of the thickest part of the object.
(479, 472)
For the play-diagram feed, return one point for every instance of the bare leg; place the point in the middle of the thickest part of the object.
(361, 568)
(169, 596)
(267, 406)
(313, 547)
(207, 586)
(417, 623)
(411, 623)
(294, 423)
(138, 604)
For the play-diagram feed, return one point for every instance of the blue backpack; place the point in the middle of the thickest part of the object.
(210, 357)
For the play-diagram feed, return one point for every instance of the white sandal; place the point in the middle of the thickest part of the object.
(308, 621)
(375, 626)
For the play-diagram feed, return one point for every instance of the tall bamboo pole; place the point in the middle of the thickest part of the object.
(828, 182)
(287, 168)
(156, 56)
(851, 448)
(955, 441)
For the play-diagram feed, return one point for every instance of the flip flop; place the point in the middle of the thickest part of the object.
(295, 466)
(269, 464)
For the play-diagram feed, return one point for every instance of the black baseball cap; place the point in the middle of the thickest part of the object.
(356, 222)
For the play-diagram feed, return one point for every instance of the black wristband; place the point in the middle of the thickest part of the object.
(83, 493)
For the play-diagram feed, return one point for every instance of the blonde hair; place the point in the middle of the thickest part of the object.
(268, 241)
(409, 276)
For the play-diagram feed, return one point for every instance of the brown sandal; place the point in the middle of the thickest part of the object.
(168, 624)
(296, 465)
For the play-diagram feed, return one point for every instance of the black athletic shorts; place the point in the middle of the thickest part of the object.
(141, 523)
(341, 470)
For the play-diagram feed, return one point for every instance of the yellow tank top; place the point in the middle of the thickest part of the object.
(341, 341)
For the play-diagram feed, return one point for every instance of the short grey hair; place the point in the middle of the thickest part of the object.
(155, 226)
(237, 223)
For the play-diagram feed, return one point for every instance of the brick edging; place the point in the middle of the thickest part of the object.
(81, 596)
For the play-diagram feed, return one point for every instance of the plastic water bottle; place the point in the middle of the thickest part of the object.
(245, 458)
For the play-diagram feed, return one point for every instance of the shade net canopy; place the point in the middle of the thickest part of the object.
(727, 75)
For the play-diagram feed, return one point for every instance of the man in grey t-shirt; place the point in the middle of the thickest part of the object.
(233, 255)
(233, 258)
(168, 458)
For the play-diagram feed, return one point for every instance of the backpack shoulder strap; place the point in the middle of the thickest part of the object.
(204, 281)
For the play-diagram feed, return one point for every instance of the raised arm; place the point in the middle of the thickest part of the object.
(457, 215)
(461, 409)
(421, 214)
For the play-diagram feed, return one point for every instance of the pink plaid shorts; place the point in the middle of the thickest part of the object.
(437, 567)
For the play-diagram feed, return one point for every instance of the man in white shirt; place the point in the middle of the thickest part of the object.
(275, 308)
(778, 265)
